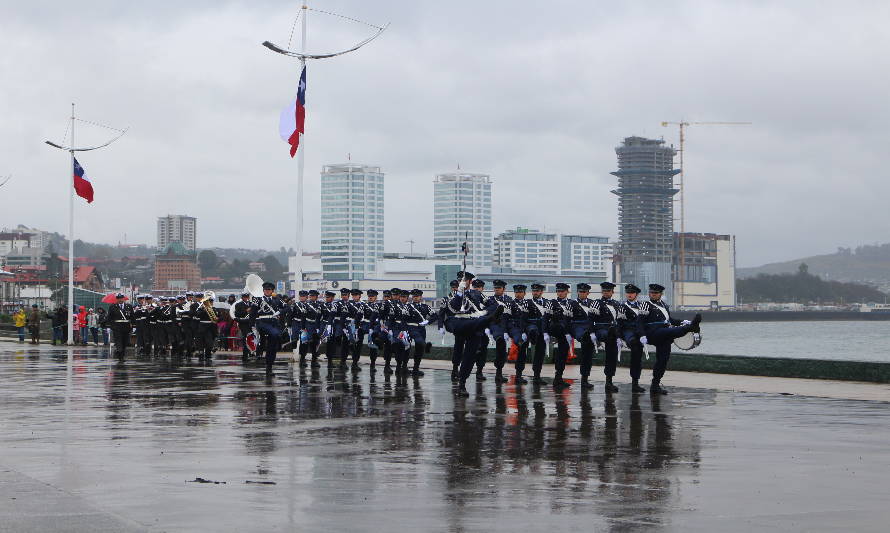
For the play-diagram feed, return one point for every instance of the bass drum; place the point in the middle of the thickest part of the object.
(251, 341)
(688, 342)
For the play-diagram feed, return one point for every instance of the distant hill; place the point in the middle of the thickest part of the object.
(805, 288)
(869, 265)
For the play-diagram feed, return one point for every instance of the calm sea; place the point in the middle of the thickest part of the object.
(848, 341)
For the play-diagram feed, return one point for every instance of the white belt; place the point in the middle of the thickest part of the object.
(474, 314)
(206, 321)
(127, 321)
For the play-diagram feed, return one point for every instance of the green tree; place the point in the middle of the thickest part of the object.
(209, 263)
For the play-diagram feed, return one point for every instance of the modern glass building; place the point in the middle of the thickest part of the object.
(351, 221)
(462, 208)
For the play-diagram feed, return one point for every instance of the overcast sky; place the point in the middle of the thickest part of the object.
(537, 94)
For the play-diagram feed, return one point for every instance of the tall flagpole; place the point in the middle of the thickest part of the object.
(71, 237)
(301, 161)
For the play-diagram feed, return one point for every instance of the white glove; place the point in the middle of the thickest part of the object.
(488, 332)
(507, 337)
(546, 338)
(524, 337)
(327, 330)
(441, 331)
(685, 323)
(644, 340)
(425, 322)
(569, 338)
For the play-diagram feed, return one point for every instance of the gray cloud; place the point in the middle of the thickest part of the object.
(536, 94)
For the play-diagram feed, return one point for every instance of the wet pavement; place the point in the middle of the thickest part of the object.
(88, 443)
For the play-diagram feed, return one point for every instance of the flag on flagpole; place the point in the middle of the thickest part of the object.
(293, 119)
(82, 185)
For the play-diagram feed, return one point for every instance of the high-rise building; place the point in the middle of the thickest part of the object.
(645, 211)
(351, 221)
(523, 249)
(462, 209)
(177, 228)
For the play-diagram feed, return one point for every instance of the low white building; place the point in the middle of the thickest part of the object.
(707, 278)
(552, 253)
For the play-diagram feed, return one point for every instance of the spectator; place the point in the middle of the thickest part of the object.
(21, 319)
(60, 325)
(34, 324)
(100, 317)
(93, 324)
(82, 325)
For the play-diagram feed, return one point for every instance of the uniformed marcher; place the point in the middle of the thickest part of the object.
(419, 315)
(440, 323)
(328, 322)
(207, 320)
(151, 324)
(182, 321)
(313, 327)
(482, 351)
(340, 327)
(560, 328)
(516, 320)
(398, 330)
(357, 325)
(120, 320)
(539, 315)
(266, 314)
(660, 331)
(467, 319)
(371, 327)
(388, 315)
(140, 323)
(161, 317)
(605, 329)
(497, 330)
(629, 331)
(241, 315)
(583, 311)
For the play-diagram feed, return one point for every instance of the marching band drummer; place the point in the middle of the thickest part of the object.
(265, 312)
(241, 315)
(660, 330)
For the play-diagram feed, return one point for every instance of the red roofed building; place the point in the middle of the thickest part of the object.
(176, 269)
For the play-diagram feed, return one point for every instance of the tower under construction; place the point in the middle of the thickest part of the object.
(645, 193)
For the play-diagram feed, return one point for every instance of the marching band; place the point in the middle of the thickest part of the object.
(397, 327)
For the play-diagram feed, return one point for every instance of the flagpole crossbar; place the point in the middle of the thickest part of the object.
(304, 56)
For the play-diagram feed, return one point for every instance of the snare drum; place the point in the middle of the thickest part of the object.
(688, 342)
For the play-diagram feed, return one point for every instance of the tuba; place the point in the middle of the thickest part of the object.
(207, 302)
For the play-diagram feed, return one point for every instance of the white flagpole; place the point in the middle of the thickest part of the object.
(301, 159)
(71, 238)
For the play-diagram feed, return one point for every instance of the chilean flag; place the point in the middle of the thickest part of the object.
(82, 185)
(290, 125)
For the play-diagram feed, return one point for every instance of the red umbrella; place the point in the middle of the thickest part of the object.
(112, 298)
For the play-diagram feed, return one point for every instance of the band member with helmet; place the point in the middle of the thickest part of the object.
(418, 316)
(629, 331)
(605, 329)
(241, 315)
(539, 314)
(120, 320)
(560, 328)
(467, 319)
(498, 331)
(265, 312)
(660, 330)
(517, 325)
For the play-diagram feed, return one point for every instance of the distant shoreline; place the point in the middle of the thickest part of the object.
(783, 316)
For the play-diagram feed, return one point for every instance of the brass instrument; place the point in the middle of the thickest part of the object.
(207, 302)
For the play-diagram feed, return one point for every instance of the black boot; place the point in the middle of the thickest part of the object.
(558, 382)
(586, 384)
(538, 380)
(461, 389)
(387, 369)
(610, 387)
(455, 374)
(696, 320)
(480, 376)
(519, 380)
(417, 372)
(635, 386)
(499, 377)
(656, 388)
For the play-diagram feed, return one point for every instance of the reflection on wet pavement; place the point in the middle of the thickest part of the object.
(327, 450)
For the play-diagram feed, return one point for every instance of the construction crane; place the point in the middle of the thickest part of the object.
(681, 271)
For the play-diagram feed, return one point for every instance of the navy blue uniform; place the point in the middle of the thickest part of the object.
(266, 314)
(539, 314)
(605, 329)
(312, 315)
(241, 315)
(630, 331)
(467, 318)
(516, 321)
(418, 316)
(660, 331)
(207, 331)
(497, 329)
(560, 329)
(120, 319)
(583, 312)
